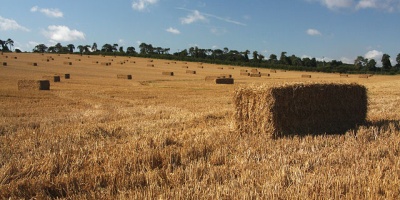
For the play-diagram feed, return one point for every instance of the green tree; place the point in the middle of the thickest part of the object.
(94, 47)
(371, 66)
(81, 48)
(10, 42)
(58, 47)
(284, 59)
(255, 55)
(360, 62)
(121, 49)
(246, 55)
(398, 61)
(130, 50)
(114, 47)
(273, 58)
(386, 64)
(41, 48)
(107, 48)
(71, 48)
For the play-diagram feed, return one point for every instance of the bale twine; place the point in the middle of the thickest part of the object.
(244, 74)
(363, 76)
(55, 78)
(224, 81)
(305, 76)
(124, 76)
(33, 85)
(299, 108)
(4, 63)
(168, 73)
(67, 63)
(190, 72)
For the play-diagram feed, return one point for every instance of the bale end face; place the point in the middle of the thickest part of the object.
(300, 109)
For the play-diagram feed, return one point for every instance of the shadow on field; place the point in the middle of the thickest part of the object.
(384, 124)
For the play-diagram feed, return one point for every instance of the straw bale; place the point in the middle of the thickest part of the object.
(95, 62)
(200, 67)
(105, 63)
(244, 74)
(273, 71)
(299, 108)
(265, 74)
(220, 68)
(32, 63)
(363, 76)
(67, 76)
(4, 63)
(185, 67)
(124, 76)
(46, 60)
(67, 63)
(132, 61)
(78, 59)
(254, 71)
(226, 75)
(55, 78)
(150, 60)
(150, 65)
(255, 75)
(231, 68)
(344, 75)
(282, 70)
(15, 57)
(33, 85)
(243, 70)
(168, 73)
(224, 81)
(190, 72)
(212, 78)
(167, 63)
(305, 76)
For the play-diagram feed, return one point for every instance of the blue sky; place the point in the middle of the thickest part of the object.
(329, 29)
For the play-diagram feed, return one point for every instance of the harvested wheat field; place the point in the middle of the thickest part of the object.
(174, 137)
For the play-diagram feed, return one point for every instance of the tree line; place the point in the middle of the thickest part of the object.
(224, 56)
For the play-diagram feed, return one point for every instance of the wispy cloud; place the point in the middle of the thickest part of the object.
(313, 32)
(200, 16)
(173, 31)
(388, 5)
(141, 5)
(63, 34)
(50, 12)
(10, 24)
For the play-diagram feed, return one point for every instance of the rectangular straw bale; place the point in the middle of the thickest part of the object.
(33, 85)
(4, 63)
(15, 57)
(220, 68)
(32, 63)
(299, 108)
(190, 72)
(132, 61)
(95, 62)
(363, 76)
(224, 81)
(124, 76)
(105, 63)
(344, 75)
(255, 75)
(243, 70)
(265, 74)
(168, 73)
(212, 78)
(305, 76)
(150, 65)
(273, 71)
(244, 74)
(78, 59)
(254, 71)
(67, 76)
(231, 67)
(55, 78)
(150, 60)
(200, 66)
(67, 63)
(186, 67)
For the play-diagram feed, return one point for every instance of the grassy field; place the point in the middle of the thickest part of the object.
(172, 137)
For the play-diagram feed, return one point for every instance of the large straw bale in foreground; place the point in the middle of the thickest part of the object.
(299, 108)
(33, 85)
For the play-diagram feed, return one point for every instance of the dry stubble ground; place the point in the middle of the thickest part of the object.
(171, 137)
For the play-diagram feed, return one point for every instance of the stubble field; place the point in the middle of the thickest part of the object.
(94, 136)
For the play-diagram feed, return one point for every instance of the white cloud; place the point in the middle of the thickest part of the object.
(193, 17)
(10, 24)
(63, 34)
(173, 31)
(374, 54)
(388, 5)
(334, 4)
(140, 5)
(218, 31)
(347, 60)
(50, 12)
(313, 32)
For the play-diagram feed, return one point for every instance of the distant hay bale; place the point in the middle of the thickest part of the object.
(231, 68)
(67, 76)
(200, 66)
(224, 81)
(254, 71)
(124, 76)
(220, 68)
(282, 70)
(15, 57)
(67, 63)
(363, 76)
(273, 71)
(150, 65)
(299, 108)
(78, 59)
(46, 60)
(255, 75)
(265, 74)
(167, 63)
(226, 75)
(67, 58)
(105, 63)
(186, 67)
(212, 78)
(190, 72)
(32, 63)
(4, 63)
(33, 85)
(344, 75)
(243, 70)
(132, 61)
(305, 76)
(150, 60)
(168, 73)
(244, 74)
(55, 78)
(95, 62)
(110, 59)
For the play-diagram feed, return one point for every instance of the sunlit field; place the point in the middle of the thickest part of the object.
(94, 136)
